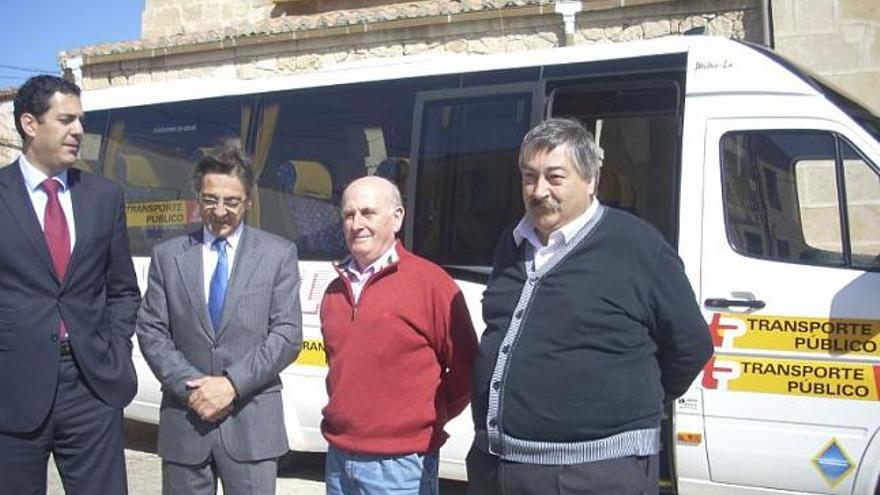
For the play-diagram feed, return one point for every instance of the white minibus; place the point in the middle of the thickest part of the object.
(764, 178)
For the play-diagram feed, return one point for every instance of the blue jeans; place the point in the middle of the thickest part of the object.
(360, 474)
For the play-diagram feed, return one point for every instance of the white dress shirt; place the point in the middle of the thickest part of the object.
(359, 278)
(33, 177)
(525, 230)
(209, 255)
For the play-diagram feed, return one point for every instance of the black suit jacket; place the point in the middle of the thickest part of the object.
(98, 300)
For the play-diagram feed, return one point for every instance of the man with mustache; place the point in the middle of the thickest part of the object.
(68, 299)
(591, 329)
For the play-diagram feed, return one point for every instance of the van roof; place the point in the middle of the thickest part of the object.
(715, 64)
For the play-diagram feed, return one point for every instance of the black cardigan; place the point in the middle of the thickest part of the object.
(610, 333)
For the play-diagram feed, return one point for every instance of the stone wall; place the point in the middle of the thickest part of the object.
(173, 17)
(739, 20)
(837, 39)
(10, 142)
(299, 43)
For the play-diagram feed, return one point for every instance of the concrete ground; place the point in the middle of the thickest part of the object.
(299, 474)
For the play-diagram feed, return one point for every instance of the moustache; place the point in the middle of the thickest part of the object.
(544, 205)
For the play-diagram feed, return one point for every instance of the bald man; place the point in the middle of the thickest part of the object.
(400, 345)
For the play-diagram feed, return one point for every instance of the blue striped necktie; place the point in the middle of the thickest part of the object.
(217, 293)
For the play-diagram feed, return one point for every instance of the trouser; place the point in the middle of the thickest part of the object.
(237, 477)
(81, 432)
(490, 475)
(347, 473)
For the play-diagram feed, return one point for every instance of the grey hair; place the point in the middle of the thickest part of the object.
(226, 160)
(552, 133)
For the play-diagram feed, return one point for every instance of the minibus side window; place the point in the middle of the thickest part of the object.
(324, 138)
(862, 208)
(636, 123)
(94, 127)
(782, 198)
(468, 181)
(151, 150)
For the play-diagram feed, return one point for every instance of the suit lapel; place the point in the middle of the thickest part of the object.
(15, 195)
(189, 265)
(243, 267)
(84, 204)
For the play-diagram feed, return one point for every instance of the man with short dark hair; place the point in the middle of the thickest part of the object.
(592, 327)
(68, 299)
(219, 322)
(400, 346)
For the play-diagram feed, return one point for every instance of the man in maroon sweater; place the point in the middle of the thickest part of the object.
(400, 345)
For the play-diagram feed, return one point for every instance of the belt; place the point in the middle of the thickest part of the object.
(64, 348)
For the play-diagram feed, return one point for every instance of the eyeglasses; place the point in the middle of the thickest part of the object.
(212, 202)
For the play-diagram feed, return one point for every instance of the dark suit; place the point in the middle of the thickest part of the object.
(98, 300)
(259, 335)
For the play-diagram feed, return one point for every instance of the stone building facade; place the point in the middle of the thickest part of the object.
(837, 39)
(247, 39)
(272, 38)
(10, 143)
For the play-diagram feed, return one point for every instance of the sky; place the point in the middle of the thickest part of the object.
(34, 31)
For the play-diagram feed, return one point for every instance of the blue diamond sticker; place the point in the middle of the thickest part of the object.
(833, 463)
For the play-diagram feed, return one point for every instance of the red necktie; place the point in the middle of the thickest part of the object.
(56, 233)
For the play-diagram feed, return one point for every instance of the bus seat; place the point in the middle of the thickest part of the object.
(141, 180)
(317, 218)
(312, 180)
(139, 172)
(275, 185)
(616, 190)
(83, 165)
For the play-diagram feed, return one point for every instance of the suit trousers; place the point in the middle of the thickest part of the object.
(84, 435)
(237, 477)
(490, 475)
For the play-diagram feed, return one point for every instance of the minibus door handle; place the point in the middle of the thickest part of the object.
(734, 303)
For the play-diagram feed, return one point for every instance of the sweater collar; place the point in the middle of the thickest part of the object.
(388, 257)
(394, 256)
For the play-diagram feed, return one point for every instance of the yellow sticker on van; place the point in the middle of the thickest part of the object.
(312, 354)
(161, 213)
(833, 336)
(833, 380)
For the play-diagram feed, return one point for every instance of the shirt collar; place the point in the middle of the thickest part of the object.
(525, 229)
(388, 257)
(232, 240)
(33, 176)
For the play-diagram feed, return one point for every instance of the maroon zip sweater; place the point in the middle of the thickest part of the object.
(400, 359)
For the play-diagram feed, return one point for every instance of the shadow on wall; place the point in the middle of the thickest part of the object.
(857, 300)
